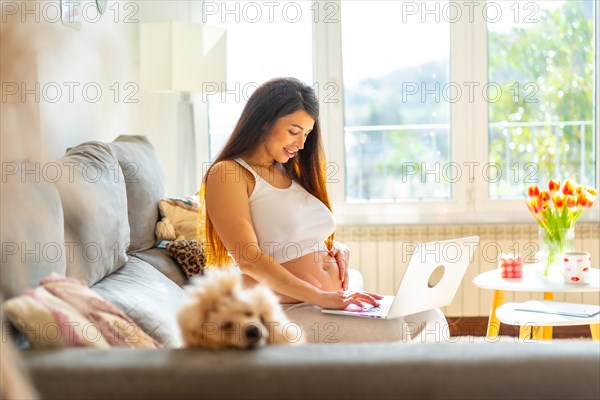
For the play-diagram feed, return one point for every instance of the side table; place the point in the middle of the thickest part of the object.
(530, 282)
(529, 322)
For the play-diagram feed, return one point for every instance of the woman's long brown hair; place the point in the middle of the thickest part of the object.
(272, 100)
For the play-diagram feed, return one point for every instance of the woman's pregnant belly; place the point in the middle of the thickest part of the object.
(318, 268)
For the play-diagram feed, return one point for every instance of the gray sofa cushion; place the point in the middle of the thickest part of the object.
(146, 185)
(147, 297)
(31, 228)
(162, 261)
(92, 191)
(322, 371)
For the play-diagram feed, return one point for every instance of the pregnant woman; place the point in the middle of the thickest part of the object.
(267, 210)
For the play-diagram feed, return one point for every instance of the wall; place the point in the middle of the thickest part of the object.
(79, 85)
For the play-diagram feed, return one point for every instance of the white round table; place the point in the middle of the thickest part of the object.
(531, 282)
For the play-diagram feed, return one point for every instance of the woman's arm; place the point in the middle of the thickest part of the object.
(228, 209)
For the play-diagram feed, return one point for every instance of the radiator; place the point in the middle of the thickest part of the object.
(379, 252)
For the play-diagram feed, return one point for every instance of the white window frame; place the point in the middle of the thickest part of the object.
(470, 202)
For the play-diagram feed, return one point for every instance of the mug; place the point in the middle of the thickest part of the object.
(577, 267)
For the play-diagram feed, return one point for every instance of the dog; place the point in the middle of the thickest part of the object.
(219, 313)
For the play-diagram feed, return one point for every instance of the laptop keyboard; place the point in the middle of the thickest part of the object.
(383, 308)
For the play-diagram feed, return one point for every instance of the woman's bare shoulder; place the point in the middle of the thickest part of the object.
(227, 165)
(228, 172)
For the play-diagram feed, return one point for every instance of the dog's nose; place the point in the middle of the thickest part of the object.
(252, 333)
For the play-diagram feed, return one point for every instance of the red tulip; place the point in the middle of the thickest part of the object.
(581, 199)
(553, 185)
(533, 191)
(543, 204)
(586, 202)
(533, 205)
(566, 206)
(568, 188)
(558, 200)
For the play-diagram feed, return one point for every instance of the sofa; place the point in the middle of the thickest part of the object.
(91, 215)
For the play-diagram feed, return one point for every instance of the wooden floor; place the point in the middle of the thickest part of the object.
(477, 326)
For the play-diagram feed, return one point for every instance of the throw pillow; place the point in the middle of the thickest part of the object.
(181, 214)
(189, 254)
(64, 312)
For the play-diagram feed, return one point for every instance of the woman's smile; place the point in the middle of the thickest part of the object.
(289, 153)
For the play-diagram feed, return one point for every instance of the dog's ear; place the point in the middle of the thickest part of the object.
(266, 303)
(200, 300)
(190, 318)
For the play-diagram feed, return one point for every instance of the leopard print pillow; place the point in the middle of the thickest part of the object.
(189, 255)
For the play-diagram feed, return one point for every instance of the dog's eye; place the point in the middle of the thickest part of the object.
(226, 325)
(248, 314)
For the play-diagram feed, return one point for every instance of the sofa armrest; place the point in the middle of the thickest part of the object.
(355, 371)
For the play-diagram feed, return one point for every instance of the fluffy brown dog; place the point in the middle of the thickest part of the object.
(219, 313)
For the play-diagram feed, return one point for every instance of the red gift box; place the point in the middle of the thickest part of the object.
(511, 266)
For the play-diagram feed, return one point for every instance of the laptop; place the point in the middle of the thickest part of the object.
(431, 279)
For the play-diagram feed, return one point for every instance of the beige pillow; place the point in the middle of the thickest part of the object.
(64, 312)
(181, 214)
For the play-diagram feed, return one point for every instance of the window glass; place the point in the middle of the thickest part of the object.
(541, 59)
(265, 40)
(396, 109)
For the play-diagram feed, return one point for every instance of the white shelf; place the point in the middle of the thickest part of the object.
(507, 314)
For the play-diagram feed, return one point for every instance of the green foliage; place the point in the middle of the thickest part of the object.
(548, 70)
(546, 73)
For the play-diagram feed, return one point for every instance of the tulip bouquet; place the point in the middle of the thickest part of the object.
(556, 210)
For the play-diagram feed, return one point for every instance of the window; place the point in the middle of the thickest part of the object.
(264, 40)
(420, 133)
(495, 146)
(543, 58)
(396, 126)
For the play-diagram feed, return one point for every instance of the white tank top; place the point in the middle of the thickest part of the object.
(289, 223)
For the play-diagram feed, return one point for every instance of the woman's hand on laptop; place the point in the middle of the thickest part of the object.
(344, 298)
(341, 253)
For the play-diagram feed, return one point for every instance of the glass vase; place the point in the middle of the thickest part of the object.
(552, 245)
